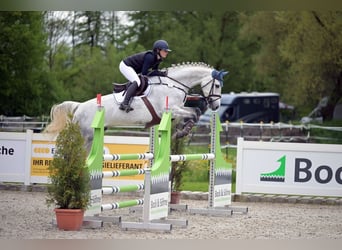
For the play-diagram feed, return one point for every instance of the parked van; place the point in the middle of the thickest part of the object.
(251, 107)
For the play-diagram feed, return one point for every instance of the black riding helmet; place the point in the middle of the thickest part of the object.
(161, 45)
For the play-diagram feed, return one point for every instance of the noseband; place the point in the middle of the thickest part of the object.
(211, 96)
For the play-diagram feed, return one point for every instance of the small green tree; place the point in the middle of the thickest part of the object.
(69, 175)
(177, 168)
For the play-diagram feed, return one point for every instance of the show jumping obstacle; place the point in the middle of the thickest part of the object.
(156, 182)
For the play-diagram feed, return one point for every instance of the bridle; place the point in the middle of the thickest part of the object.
(210, 98)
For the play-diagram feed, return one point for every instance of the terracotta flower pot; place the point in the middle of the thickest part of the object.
(69, 219)
(175, 197)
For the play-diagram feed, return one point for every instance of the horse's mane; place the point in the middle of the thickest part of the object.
(189, 64)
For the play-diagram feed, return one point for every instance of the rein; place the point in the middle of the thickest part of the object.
(207, 98)
(174, 86)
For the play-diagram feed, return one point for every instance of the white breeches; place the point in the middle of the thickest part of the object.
(129, 73)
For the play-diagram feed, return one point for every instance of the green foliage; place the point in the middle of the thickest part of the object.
(299, 56)
(198, 186)
(328, 132)
(70, 179)
(196, 174)
(197, 171)
(210, 37)
(179, 167)
(75, 56)
(23, 78)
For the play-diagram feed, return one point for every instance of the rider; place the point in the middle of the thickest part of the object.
(141, 63)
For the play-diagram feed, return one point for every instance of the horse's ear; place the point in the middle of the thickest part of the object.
(222, 74)
(218, 75)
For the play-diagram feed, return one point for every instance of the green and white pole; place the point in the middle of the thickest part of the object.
(192, 157)
(122, 189)
(122, 204)
(128, 172)
(118, 157)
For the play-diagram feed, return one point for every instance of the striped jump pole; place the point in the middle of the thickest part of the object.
(118, 157)
(122, 204)
(121, 189)
(129, 172)
(192, 157)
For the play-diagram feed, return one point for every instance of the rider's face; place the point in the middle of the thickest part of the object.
(163, 53)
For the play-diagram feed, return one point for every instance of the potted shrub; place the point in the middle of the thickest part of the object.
(176, 177)
(177, 168)
(69, 190)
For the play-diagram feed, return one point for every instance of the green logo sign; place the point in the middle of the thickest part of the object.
(277, 175)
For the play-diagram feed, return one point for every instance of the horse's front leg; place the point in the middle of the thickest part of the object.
(187, 113)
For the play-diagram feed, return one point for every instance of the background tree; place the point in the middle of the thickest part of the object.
(56, 56)
(25, 85)
(313, 49)
(88, 62)
(300, 55)
(57, 28)
(261, 32)
(210, 37)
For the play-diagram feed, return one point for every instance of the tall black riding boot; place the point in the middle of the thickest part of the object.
(125, 105)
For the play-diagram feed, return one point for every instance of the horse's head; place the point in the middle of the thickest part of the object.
(189, 75)
(212, 87)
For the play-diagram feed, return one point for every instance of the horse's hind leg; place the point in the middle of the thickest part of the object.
(186, 117)
(88, 135)
(184, 131)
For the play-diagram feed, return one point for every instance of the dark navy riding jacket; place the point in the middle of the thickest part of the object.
(143, 62)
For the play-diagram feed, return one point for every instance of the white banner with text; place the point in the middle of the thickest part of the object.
(25, 157)
(289, 168)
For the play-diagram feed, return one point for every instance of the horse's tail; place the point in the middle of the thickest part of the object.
(59, 115)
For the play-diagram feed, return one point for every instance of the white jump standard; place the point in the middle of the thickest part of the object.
(220, 178)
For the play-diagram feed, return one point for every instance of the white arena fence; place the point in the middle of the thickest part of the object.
(311, 169)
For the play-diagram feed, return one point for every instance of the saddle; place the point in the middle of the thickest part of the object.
(119, 87)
